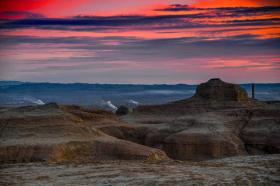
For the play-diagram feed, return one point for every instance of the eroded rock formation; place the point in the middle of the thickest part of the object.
(54, 133)
(218, 121)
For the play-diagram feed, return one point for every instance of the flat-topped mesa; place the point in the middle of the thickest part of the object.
(218, 90)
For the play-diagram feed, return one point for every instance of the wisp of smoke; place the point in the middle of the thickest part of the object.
(34, 101)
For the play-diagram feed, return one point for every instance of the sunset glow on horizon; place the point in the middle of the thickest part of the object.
(129, 41)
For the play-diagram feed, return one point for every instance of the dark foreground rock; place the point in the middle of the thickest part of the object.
(261, 134)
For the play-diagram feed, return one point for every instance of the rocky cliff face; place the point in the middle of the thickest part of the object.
(218, 90)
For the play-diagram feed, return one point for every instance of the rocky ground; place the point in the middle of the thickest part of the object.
(248, 170)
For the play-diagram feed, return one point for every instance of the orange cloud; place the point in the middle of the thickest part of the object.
(235, 3)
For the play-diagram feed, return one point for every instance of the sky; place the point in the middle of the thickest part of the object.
(133, 41)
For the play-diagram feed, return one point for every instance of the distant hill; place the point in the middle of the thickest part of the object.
(10, 83)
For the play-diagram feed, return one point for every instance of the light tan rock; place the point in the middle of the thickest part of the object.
(51, 133)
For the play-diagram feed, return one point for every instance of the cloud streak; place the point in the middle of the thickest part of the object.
(210, 17)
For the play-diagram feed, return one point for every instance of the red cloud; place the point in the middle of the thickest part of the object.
(20, 5)
(45, 7)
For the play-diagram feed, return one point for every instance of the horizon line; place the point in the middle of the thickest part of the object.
(111, 83)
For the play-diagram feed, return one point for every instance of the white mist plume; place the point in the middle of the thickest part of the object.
(108, 105)
(34, 101)
(39, 102)
(132, 104)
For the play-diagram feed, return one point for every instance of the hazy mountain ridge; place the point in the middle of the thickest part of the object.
(26, 85)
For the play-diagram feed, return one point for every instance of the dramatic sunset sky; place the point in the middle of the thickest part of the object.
(140, 41)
